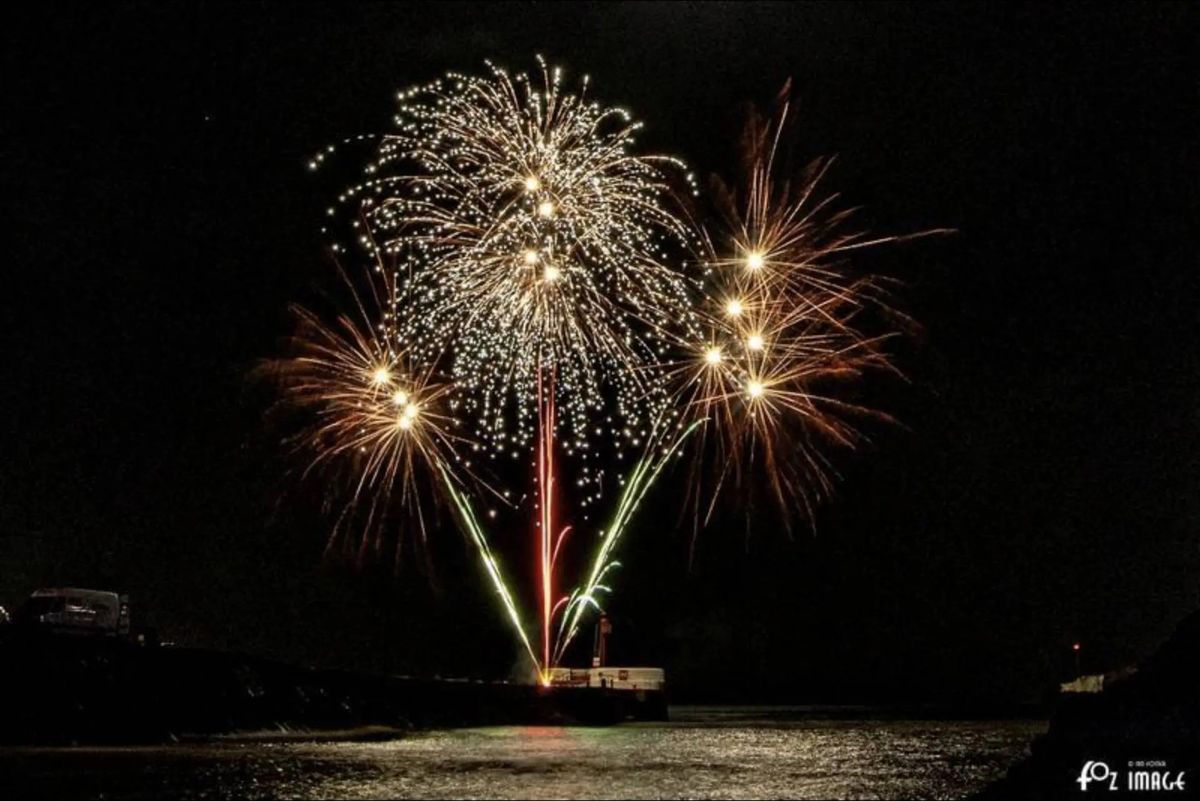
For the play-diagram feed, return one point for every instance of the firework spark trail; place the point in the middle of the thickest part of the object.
(467, 515)
(546, 488)
(637, 485)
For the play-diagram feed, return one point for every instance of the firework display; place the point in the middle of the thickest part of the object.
(541, 295)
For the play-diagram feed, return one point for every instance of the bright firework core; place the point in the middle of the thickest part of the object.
(485, 170)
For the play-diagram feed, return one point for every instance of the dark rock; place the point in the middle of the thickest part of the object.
(1148, 716)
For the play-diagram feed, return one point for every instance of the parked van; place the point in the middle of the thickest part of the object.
(76, 611)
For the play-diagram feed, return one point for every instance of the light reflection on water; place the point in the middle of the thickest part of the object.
(700, 754)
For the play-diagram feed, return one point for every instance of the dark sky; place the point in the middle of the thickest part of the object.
(1045, 486)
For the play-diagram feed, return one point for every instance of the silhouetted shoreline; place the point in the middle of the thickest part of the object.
(73, 690)
(1151, 716)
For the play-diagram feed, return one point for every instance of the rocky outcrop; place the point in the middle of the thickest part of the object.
(1148, 720)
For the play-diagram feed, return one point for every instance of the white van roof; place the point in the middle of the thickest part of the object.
(70, 592)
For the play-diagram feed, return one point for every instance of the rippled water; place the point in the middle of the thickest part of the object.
(702, 753)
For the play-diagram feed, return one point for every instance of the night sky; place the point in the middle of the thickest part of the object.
(1043, 488)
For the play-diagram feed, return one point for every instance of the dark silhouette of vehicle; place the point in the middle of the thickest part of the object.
(69, 610)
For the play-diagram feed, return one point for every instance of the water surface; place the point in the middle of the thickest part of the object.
(701, 753)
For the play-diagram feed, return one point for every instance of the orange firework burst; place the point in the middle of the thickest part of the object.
(374, 425)
(783, 328)
(384, 431)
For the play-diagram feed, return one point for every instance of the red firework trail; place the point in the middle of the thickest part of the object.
(546, 479)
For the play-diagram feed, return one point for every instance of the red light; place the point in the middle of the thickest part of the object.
(1075, 646)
